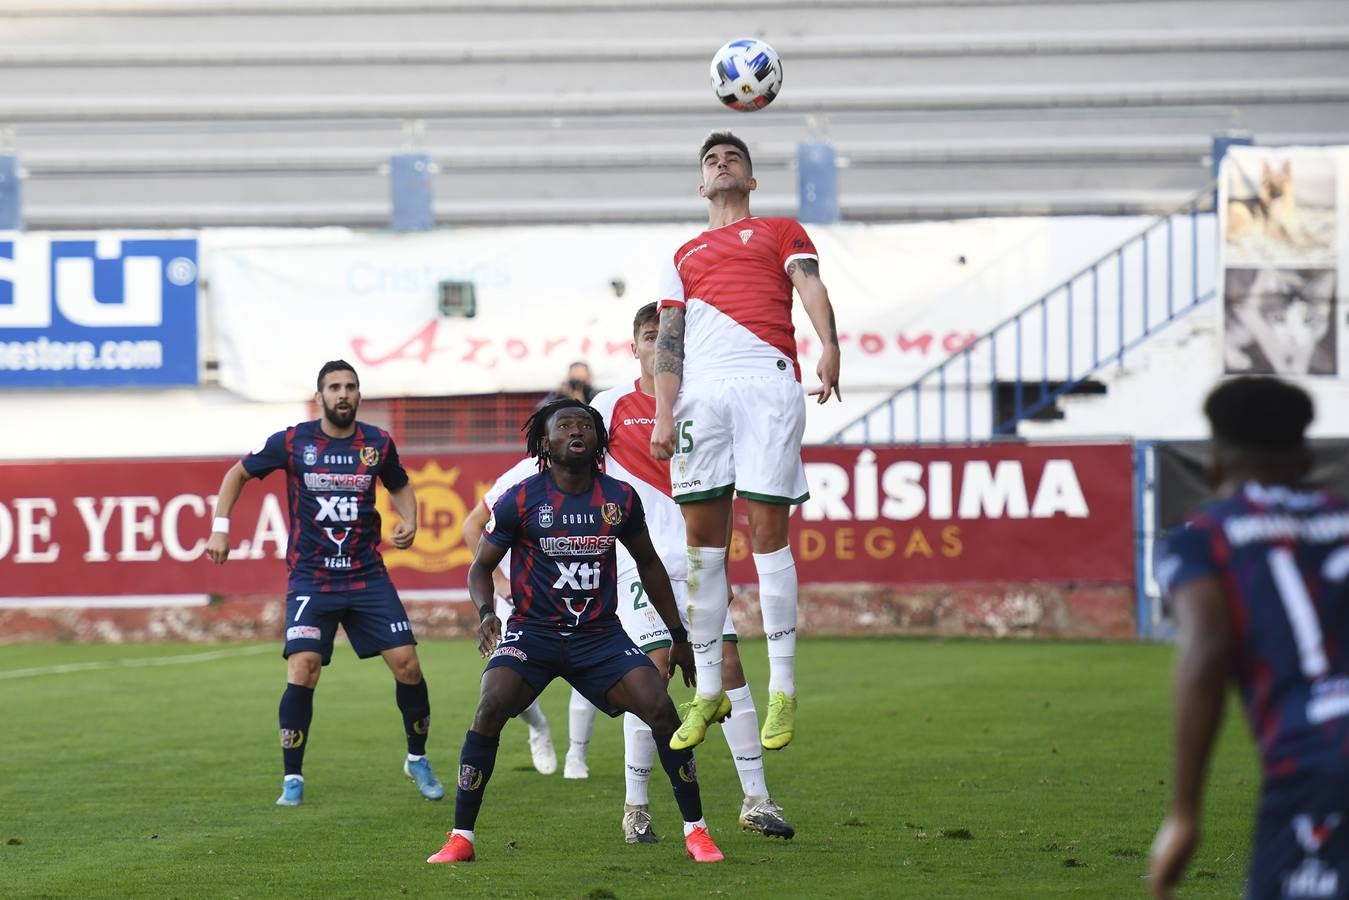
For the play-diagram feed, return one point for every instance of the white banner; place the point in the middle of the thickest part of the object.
(906, 296)
(1285, 227)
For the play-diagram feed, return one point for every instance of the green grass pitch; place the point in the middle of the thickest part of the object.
(921, 769)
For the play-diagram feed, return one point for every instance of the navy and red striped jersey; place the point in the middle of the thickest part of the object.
(1282, 557)
(563, 573)
(330, 488)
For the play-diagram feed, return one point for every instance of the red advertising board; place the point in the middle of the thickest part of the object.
(894, 515)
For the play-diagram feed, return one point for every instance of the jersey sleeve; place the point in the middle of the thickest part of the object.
(392, 473)
(269, 457)
(671, 286)
(603, 403)
(634, 522)
(509, 479)
(795, 243)
(1186, 554)
(505, 522)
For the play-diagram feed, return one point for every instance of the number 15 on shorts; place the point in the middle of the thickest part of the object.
(684, 436)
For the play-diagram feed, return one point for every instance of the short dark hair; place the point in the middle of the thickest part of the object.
(336, 365)
(648, 313)
(536, 431)
(1259, 413)
(725, 137)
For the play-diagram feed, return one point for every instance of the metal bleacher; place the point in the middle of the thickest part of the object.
(285, 112)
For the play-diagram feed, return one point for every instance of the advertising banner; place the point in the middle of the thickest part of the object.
(1283, 214)
(884, 515)
(105, 310)
(397, 307)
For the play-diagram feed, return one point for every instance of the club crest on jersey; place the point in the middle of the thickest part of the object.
(369, 456)
(746, 234)
(311, 454)
(545, 516)
(611, 513)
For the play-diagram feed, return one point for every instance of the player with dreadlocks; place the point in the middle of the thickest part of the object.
(560, 527)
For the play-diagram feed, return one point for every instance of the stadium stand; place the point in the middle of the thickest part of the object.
(157, 114)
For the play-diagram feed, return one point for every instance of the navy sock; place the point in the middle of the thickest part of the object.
(415, 705)
(296, 712)
(683, 774)
(476, 761)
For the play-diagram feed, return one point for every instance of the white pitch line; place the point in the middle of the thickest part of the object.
(139, 601)
(139, 663)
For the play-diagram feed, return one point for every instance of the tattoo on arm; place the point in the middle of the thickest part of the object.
(670, 342)
(833, 328)
(807, 266)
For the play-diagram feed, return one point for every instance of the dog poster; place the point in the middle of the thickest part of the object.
(1278, 214)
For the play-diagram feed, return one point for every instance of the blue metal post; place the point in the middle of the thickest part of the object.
(1069, 377)
(410, 192)
(941, 404)
(1142, 610)
(817, 168)
(969, 399)
(1221, 143)
(11, 194)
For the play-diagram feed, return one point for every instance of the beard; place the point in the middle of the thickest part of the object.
(340, 419)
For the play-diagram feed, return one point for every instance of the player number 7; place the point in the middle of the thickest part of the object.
(304, 601)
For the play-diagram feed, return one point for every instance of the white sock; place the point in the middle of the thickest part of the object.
(289, 777)
(689, 826)
(742, 736)
(639, 754)
(581, 722)
(533, 717)
(777, 600)
(414, 758)
(462, 832)
(707, 613)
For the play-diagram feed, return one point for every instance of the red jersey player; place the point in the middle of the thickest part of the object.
(730, 414)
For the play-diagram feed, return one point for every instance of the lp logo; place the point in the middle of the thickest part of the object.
(108, 283)
(578, 576)
(337, 509)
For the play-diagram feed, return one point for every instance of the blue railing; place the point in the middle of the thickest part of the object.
(1086, 324)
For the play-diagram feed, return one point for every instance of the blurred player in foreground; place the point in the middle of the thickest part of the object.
(561, 527)
(336, 573)
(1257, 580)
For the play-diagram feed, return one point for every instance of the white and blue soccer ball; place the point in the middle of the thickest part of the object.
(746, 74)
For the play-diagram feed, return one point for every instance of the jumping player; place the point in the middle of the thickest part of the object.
(561, 527)
(336, 573)
(730, 414)
(629, 412)
(1259, 581)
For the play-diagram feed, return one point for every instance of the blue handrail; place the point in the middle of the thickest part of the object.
(1151, 290)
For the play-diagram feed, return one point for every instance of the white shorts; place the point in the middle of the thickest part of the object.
(640, 619)
(741, 434)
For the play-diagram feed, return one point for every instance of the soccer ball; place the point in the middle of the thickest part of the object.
(746, 74)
